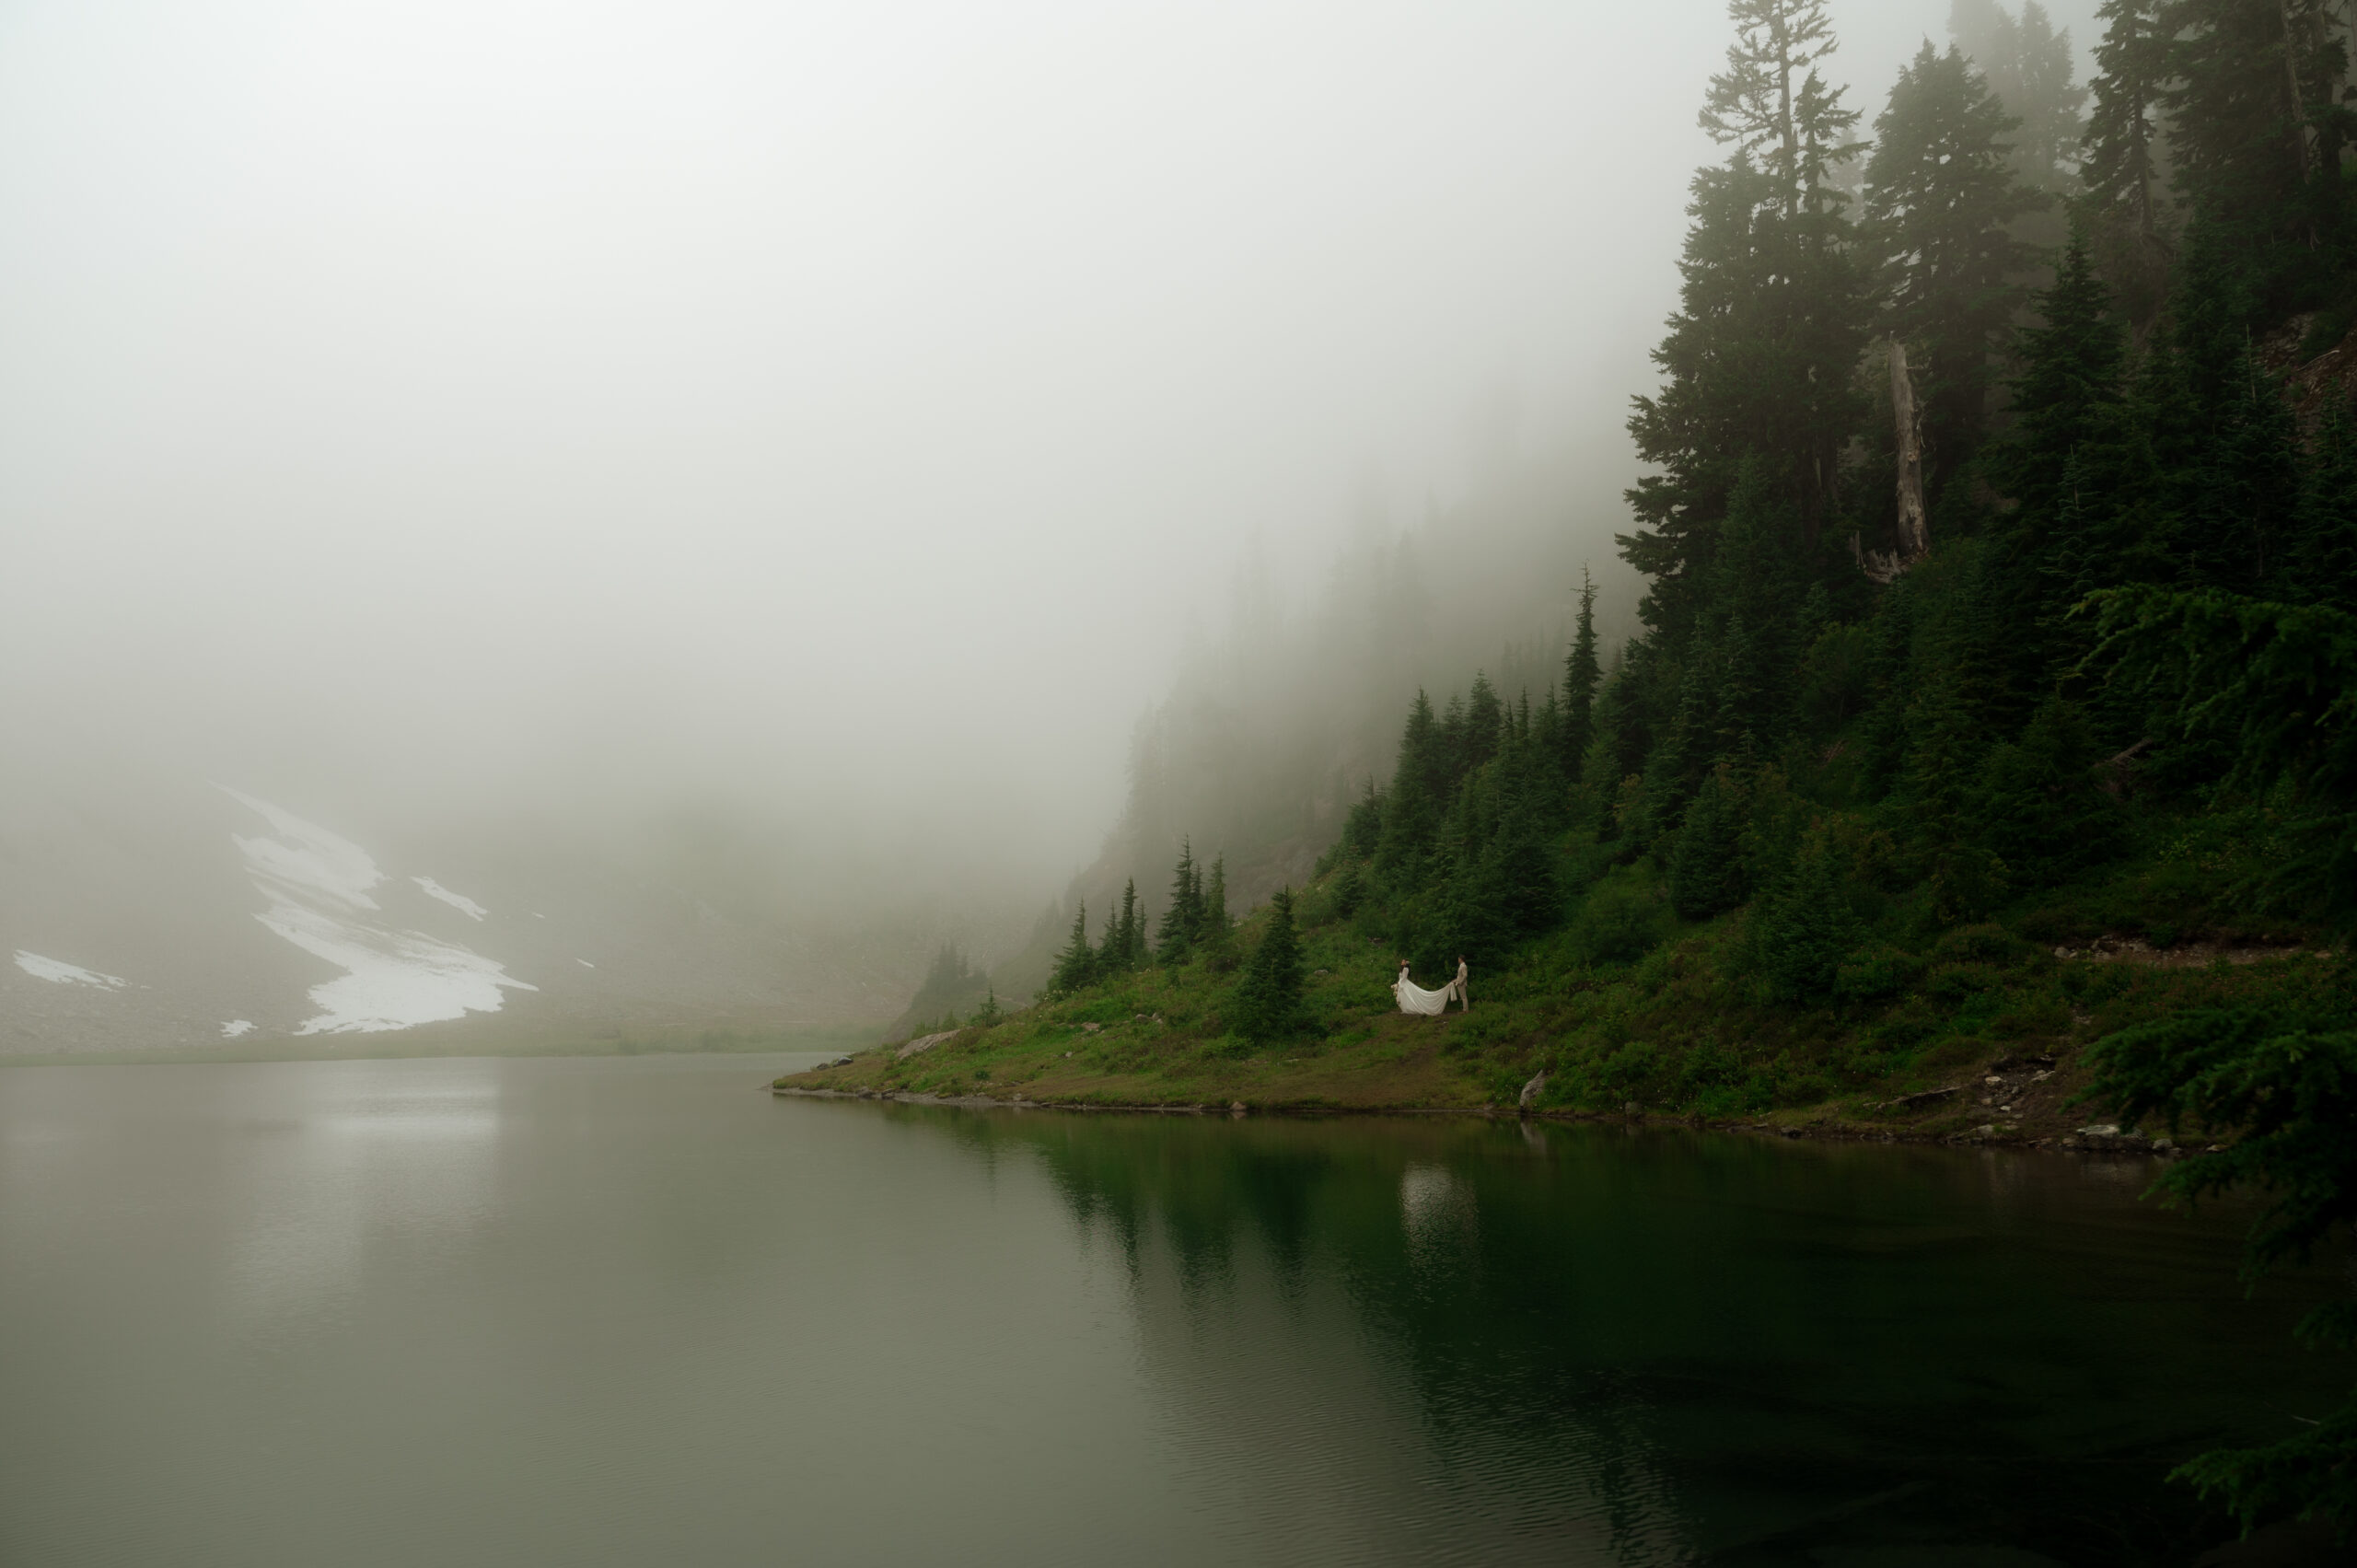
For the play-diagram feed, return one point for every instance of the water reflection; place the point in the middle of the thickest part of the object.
(336, 1162)
(1467, 1340)
(601, 1314)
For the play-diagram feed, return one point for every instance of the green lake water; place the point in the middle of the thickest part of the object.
(638, 1311)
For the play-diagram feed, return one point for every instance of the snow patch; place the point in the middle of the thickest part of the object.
(64, 974)
(396, 978)
(458, 901)
(305, 861)
(237, 1026)
(316, 884)
(585, 963)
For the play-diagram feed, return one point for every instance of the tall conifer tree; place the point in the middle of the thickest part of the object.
(1076, 965)
(2069, 401)
(1125, 947)
(1581, 673)
(2029, 66)
(1771, 103)
(1216, 923)
(1484, 723)
(1940, 198)
(1759, 354)
(1411, 807)
(2250, 90)
(1183, 919)
(2121, 171)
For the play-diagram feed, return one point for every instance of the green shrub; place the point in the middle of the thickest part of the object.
(1876, 971)
(1983, 944)
(1267, 1004)
(1959, 982)
(1618, 924)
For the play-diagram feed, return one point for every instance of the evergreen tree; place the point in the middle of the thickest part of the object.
(1484, 722)
(1362, 830)
(1706, 869)
(1125, 950)
(1736, 679)
(1216, 924)
(1940, 198)
(1411, 807)
(2323, 557)
(948, 983)
(1759, 355)
(2029, 66)
(1802, 932)
(1758, 360)
(1183, 920)
(2067, 398)
(1349, 890)
(1947, 744)
(1581, 673)
(2250, 98)
(2250, 488)
(2282, 1077)
(2067, 462)
(1266, 999)
(2225, 446)
(989, 1015)
(2121, 171)
(1771, 103)
(2209, 335)
(2280, 678)
(2041, 810)
(1522, 855)
(1076, 965)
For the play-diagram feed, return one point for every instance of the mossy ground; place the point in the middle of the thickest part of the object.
(1685, 1030)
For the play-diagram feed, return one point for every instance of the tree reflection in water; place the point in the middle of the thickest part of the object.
(1481, 1340)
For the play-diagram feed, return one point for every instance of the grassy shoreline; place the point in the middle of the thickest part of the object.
(1678, 1033)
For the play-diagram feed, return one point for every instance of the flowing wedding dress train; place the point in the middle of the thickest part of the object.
(1414, 998)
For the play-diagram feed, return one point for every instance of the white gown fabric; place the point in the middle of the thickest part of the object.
(1414, 998)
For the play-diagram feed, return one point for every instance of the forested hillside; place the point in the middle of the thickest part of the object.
(1990, 703)
(1286, 709)
(1900, 445)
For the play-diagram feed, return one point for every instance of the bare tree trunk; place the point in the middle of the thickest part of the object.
(1914, 526)
(2307, 149)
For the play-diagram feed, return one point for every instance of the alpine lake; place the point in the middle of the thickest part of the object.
(636, 1310)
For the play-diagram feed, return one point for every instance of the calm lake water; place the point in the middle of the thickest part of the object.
(636, 1311)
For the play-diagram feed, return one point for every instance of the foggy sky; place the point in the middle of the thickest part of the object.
(843, 408)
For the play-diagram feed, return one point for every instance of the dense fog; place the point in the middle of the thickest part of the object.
(510, 421)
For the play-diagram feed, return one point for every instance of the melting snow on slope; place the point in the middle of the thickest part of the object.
(458, 901)
(237, 1026)
(305, 861)
(318, 884)
(64, 974)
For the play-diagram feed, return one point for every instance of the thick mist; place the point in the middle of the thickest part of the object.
(810, 436)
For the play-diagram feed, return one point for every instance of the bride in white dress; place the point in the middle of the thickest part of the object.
(1414, 998)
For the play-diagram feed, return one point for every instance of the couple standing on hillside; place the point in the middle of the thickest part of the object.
(1414, 998)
